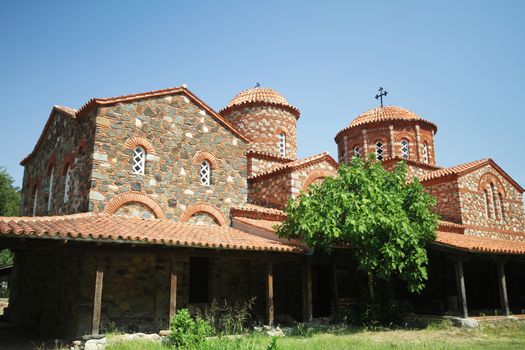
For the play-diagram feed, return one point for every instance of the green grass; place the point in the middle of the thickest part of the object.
(504, 335)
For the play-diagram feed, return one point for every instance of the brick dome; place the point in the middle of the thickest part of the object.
(259, 96)
(385, 113)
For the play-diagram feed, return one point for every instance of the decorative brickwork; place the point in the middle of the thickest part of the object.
(126, 198)
(203, 155)
(208, 209)
(135, 141)
(316, 175)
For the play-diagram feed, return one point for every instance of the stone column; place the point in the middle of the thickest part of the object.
(365, 144)
(417, 143)
(460, 285)
(391, 141)
(503, 297)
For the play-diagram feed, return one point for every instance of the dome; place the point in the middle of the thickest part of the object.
(380, 114)
(260, 96)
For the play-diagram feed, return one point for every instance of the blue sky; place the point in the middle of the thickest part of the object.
(459, 64)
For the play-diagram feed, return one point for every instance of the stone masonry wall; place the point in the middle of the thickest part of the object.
(275, 190)
(67, 143)
(259, 165)
(179, 136)
(474, 211)
(448, 200)
(42, 291)
(262, 125)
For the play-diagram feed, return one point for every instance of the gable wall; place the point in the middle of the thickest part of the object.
(61, 141)
(177, 130)
(448, 204)
(473, 208)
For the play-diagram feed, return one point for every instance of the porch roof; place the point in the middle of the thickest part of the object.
(106, 228)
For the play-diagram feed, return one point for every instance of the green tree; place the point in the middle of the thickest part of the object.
(385, 220)
(9, 206)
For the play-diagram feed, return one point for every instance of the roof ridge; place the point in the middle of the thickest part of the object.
(293, 164)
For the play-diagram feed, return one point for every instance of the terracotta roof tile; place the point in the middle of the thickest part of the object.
(386, 113)
(260, 95)
(265, 155)
(267, 225)
(480, 244)
(457, 169)
(257, 212)
(108, 228)
(297, 164)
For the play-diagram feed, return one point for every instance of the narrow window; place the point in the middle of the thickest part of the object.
(205, 173)
(487, 203)
(425, 153)
(494, 201)
(139, 160)
(282, 144)
(50, 189)
(357, 151)
(380, 153)
(67, 185)
(199, 280)
(35, 200)
(405, 151)
(502, 208)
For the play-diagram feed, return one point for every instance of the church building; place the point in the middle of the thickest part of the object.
(138, 205)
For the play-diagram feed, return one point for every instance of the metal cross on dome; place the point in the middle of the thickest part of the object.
(381, 94)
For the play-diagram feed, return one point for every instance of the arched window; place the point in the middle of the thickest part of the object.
(139, 160)
(35, 200)
(380, 152)
(67, 184)
(425, 153)
(205, 173)
(494, 201)
(50, 189)
(282, 144)
(502, 208)
(405, 150)
(487, 204)
(357, 151)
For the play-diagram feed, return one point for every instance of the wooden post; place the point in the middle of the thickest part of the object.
(269, 295)
(335, 297)
(460, 285)
(503, 297)
(307, 289)
(173, 289)
(97, 297)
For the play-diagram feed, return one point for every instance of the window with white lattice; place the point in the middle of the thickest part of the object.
(380, 151)
(139, 160)
(282, 144)
(487, 203)
(405, 150)
(50, 189)
(425, 152)
(67, 184)
(357, 151)
(205, 173)
(502, 207)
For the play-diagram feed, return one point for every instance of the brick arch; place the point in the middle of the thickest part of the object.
(487, 178)
(135, 141)
(124, 198)
(82, 145)
(315, 175)
(203, 155)
(69, 162)
(51, 162)
(281, 129)
(204, 208)
(404, 135)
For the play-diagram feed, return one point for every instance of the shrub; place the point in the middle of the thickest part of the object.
(228, 318)
(187, 331)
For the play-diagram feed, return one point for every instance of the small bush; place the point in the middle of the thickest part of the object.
(301, 330)
(187, 331)
(228, 318)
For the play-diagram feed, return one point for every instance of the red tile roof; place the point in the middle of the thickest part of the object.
(96, 102)
(264, 155)
(477, 244)
(257, 212)
(386, 113)
(465, 168)
(297, 164)
(258, 95)
(267, 225)
(108, 228)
